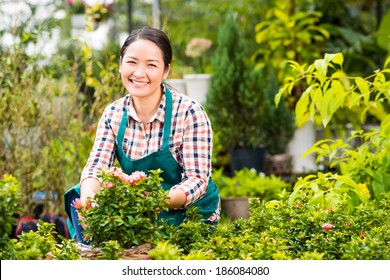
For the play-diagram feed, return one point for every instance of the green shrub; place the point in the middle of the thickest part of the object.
(10, 197)
(248, 183)
(41, 245)
(127, 209)
(279, 230)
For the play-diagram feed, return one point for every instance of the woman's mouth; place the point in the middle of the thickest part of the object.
(138, 83)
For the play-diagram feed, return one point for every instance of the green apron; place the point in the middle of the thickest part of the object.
(164, 160)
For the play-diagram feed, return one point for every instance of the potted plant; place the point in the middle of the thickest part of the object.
(278, 129)
(246, 183)
(234, 100)
(176, 76)
(197, 83)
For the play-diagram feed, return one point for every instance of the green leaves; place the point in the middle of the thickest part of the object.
(127, 211)
(248, 183)
(330, 90)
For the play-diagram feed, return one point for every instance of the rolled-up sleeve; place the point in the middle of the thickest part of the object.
(103, 152)
(196, 154)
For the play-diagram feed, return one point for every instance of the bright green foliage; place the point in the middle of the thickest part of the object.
(165, 251)
(111, 250)
(366, 165)
(277, 230)
(328, 190)
(330, 90)
(234, 99)
(41, 245)
(248, 183)
(126, 212)
(288, 35)
(9, 206)
(190, 231)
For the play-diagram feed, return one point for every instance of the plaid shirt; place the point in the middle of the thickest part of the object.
(190, 142)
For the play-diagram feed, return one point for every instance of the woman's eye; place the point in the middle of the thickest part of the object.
(152, 65)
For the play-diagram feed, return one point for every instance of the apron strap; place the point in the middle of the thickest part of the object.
(167, 118)
(167, 122)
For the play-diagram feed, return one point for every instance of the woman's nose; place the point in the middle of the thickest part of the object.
(139, 71)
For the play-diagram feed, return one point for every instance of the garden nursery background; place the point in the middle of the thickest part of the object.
(298, 96)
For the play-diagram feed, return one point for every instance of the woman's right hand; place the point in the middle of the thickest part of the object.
(88, 188)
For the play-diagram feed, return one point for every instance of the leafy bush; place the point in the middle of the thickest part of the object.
(248, 183)
(127, 209)
(235, 97)
(41, 245)
(277, 230)
(10, 197)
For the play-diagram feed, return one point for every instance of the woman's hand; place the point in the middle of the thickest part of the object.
(88, 188)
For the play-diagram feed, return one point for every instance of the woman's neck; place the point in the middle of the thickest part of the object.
(146, 107)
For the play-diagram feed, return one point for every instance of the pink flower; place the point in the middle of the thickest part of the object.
(136, 176)
(327, 226)
(49, 256)
(77, 203)
(108, 185)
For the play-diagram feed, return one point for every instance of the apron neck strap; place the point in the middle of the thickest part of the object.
(167, 121)
(167, 118)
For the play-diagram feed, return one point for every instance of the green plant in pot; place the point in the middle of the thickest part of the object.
(236, 190)
(234, 100)
(278, 128)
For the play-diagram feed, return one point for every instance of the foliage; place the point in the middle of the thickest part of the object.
(234, 99)
(202, 18)
(190, 231)
(97, 13)
(10, 197)
(248, 183)
(48, 119)
(164, 250)
(277, 230)
(130, 221)
(383, 32)
(287, 34)
(41, 245)
(331, 90)
(354, 28)
(278, 121)
(220, 157)
(76, 6)
(328, 91)
(368, 164)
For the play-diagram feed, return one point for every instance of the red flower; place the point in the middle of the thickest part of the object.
(327, 226)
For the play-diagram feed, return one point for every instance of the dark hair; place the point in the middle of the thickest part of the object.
(154, 35)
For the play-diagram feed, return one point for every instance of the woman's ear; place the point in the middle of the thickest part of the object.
(167, 71)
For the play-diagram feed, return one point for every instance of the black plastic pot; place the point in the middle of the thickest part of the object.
(247, 157)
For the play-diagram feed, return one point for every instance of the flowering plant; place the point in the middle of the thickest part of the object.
(196, 48)
(127, 209)
(76, 6)
(99, 11)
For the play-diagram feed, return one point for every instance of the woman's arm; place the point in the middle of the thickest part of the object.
(195, 153)
(177, 198)
(100, 158)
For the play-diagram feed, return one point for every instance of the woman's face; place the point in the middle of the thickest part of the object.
(142, 69)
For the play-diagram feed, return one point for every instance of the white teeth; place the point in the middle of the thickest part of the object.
(138, 83)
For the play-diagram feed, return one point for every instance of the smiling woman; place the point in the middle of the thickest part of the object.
(152, 127)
